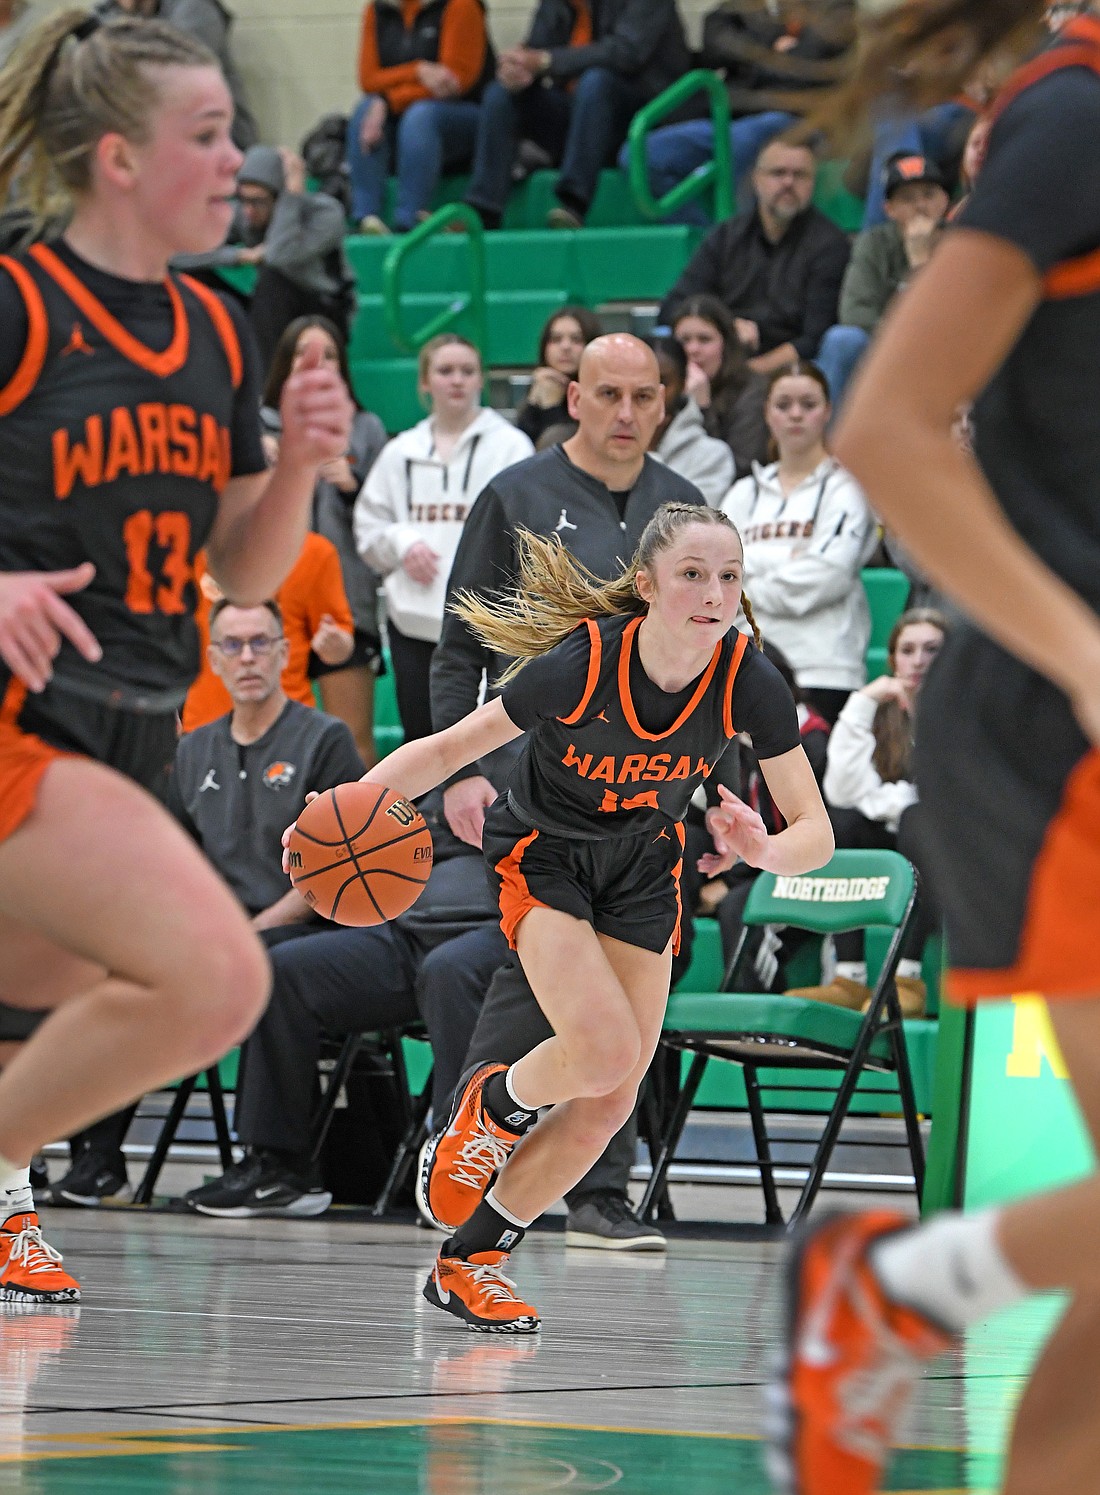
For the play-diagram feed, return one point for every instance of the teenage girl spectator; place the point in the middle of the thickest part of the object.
(422, 67)
(563, 340)
(681, 441)
(869, 789)
(316, 620)
(720, 381)
(410, 514)
(347, 689)
(807, 533)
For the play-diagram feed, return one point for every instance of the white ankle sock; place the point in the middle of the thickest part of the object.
(492, 1199)
(511, 1089)
(909, 968)
(952, 1269)
(853, 970)
(15, 1190)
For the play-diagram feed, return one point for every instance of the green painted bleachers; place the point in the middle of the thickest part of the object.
(887, 593)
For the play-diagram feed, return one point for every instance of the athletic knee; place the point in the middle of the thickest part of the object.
(227, 991)
(598, 1119)
(604, 1055)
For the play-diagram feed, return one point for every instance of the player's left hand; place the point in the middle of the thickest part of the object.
(312, 795)
(737, 832)
(316, 412)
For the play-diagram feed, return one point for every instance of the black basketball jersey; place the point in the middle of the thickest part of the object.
(597, 763)
(116, 452)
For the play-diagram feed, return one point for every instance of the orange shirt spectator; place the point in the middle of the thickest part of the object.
(463, 46)
(315, 610)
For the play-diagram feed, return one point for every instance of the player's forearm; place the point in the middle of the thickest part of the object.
(934, 497)
(253, 554)
(803, 846)
(416, 767)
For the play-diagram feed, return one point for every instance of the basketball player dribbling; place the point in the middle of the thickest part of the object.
(629, 692)
(129, 439)
(1007, 313)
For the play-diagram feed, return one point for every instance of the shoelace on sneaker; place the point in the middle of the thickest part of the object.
(494, 1284)
(873, 1399)
(29, 1249)
(479, 1158)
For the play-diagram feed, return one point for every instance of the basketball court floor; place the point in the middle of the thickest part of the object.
(255, 1357)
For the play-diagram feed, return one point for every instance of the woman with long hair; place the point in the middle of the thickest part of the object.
(1006, 315)
(346, 685)
(629, 692)
(129, 439)
(562, 341)
(872, 798)
(410, 514)
(807, 532)
(719, 379)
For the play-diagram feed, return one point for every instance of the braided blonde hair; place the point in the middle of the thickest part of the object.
(554, 591)
(69, 83)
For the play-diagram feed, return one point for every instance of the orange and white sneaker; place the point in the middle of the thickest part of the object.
(31, 1270)
(477, 1292)
(458, 1165)
(853, 1357)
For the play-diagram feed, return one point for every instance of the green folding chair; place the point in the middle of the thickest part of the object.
(856, 890)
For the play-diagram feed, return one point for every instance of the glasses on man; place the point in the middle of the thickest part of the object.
(259, 644)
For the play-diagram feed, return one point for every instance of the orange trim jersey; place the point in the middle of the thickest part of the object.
(1037, 424)
(125, 408)
(609, 753)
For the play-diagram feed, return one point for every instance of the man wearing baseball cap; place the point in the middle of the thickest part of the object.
(884, 260)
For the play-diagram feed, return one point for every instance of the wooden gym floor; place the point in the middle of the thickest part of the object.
(267, 1356)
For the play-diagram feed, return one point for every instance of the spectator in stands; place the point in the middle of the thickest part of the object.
(777, 268)
(884, 260)
(237, 784)
(422, 67)
(596, 492)
(347, 688)
(572, 88)
(295, 239)
(720, 381)
(869, 788)
(807, 532)
(209, 21)
(316, 618)
(681, 441)
(433, 963)
(564, 338)
(410, 514)
(771, 62)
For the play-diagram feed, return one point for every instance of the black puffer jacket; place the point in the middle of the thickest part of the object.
(641, 39)
(420, 42)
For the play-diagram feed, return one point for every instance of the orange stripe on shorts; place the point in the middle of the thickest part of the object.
(516, 898)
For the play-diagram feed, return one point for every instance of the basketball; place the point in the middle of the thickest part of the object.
(360, 854)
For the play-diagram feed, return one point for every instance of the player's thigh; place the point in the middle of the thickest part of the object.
(644, 976)
(100, 870)
(574, 982)
(1077, 1027)
(36, 971)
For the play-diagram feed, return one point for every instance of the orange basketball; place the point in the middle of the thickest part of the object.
(360, 854)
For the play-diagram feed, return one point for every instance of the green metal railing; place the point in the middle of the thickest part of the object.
(468, 307)
(716, 174)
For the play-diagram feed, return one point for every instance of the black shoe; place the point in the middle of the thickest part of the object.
(604, 1220)
(258, 1186)
(94, 1178)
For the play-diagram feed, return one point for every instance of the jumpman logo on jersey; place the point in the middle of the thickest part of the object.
(603, 717)
(662, 835)
(210, 782)
(77, 343)
(563, 523)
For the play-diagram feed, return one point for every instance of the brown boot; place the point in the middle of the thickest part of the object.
(840, 992)
(912, 995)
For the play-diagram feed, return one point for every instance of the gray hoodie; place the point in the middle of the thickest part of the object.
(702, 459)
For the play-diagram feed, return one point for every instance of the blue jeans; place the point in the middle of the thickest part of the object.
(431, 136)
(582, 130)
(674, 152)
(840, 350)
(930, 134)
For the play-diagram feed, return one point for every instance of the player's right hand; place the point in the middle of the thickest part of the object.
(312, 795)
(35, 619)
(464, 806)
